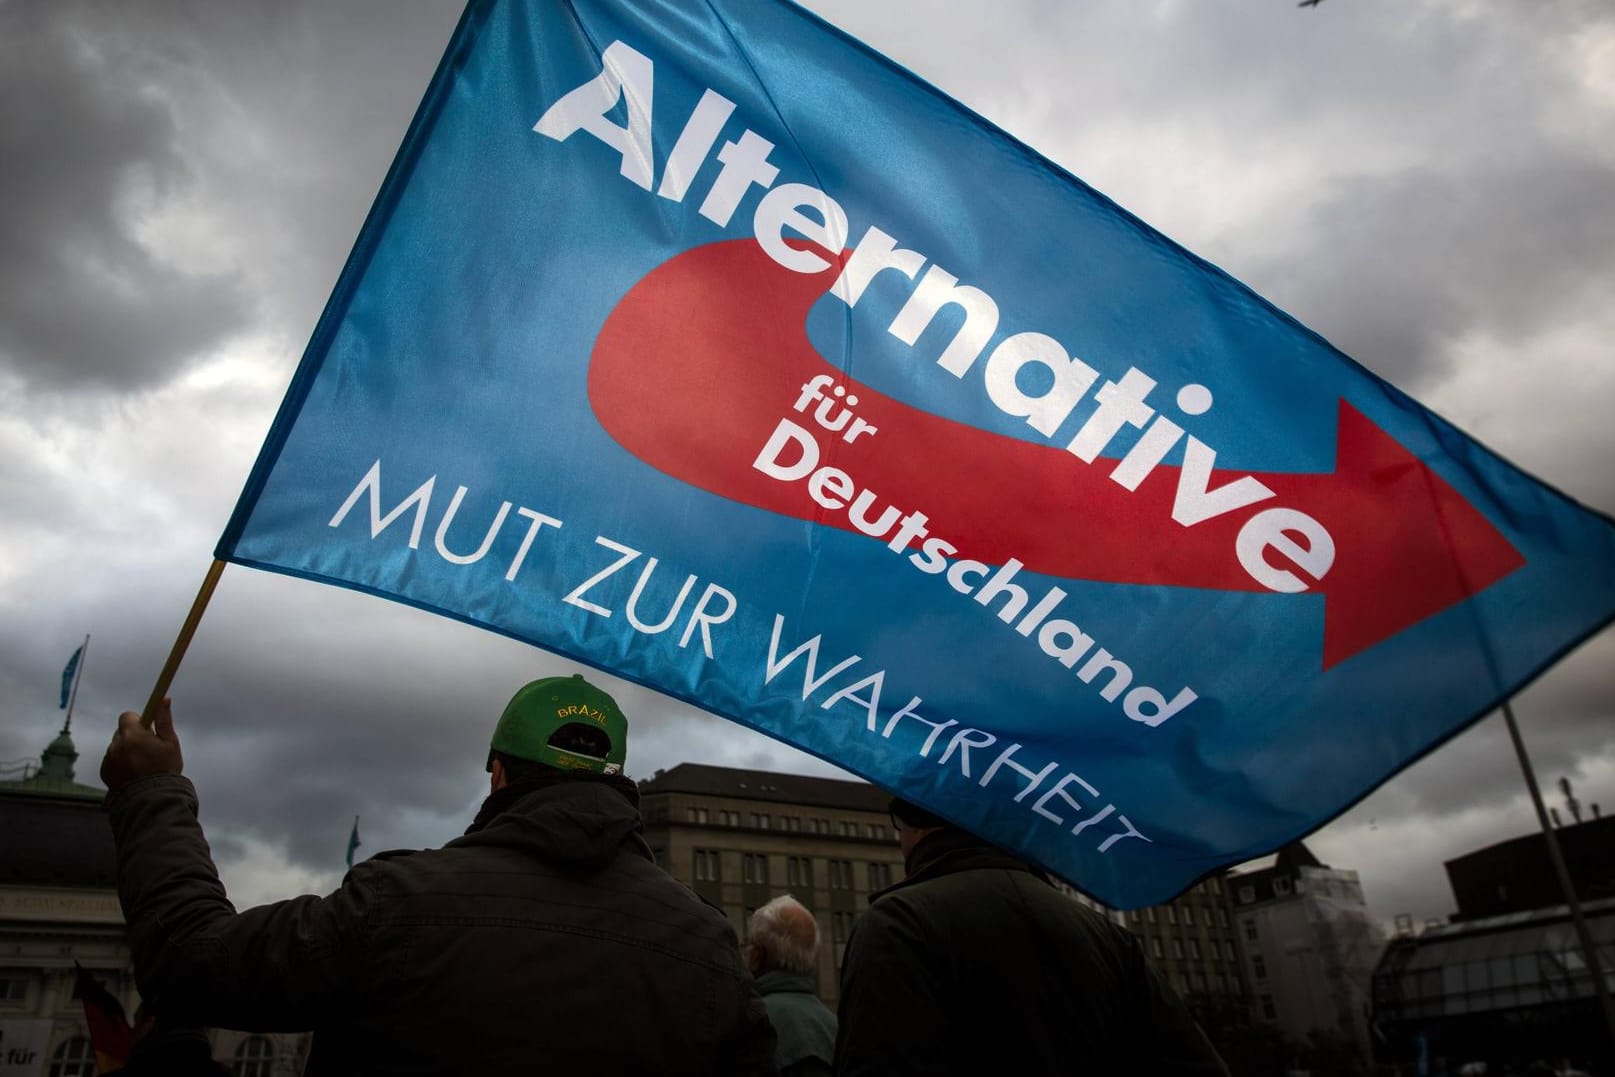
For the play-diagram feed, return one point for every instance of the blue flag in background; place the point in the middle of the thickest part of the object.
(67, 678)
(707, 347)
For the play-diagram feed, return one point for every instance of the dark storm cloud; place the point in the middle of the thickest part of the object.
(87, 148)
(117, 118)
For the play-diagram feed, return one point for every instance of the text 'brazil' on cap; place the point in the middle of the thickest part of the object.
(563, 722)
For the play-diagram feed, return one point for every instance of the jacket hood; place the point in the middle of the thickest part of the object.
(575, 821)
(950, 850)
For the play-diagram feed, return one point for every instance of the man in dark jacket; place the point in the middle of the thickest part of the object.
(544, 939)
(975, 964)
(782, 950)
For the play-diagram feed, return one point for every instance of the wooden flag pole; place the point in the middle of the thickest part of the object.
(187, 630)
(1588, 949)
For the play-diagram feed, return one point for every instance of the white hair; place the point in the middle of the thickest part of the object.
(785, 934)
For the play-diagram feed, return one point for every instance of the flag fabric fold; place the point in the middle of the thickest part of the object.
(710, 348)
(353, 841)
(67, 677)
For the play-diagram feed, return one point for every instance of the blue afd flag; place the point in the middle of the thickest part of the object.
(67, 677)
(701, 344)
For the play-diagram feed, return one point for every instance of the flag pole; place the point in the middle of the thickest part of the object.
(187, 630)
(78, 675)
(1588, 949)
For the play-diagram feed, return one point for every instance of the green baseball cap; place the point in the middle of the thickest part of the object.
(563, 722)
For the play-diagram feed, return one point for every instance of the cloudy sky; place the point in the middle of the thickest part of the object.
(1428, 183)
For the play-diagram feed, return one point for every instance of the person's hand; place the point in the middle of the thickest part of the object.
(137, 752)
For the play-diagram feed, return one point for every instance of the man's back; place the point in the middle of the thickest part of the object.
(547, 937)
(975, 964)
(805, 1026)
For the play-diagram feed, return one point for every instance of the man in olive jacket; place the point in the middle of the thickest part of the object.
(545, 939)
(975, 964)
(782, 951)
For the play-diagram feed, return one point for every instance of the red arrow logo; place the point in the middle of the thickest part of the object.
(700, 361)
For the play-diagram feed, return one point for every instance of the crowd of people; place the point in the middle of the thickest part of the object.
(546, 939)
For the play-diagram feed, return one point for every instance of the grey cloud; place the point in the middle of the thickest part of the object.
(87, 146)
(1393, 268)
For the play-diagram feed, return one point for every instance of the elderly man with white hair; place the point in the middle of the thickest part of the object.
(781, 949)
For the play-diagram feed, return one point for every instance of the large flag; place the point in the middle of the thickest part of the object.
(702, 344)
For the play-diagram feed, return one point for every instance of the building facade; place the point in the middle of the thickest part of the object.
(59, 911)
(1310, 948)
(1506, 990)
(1195, 944)
(58, 908)
(1507, 981)
(1517, 875)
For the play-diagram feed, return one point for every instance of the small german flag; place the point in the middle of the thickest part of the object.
(110, 1036)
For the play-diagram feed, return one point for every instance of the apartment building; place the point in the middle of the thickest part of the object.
(1311, 946)
(741, 837)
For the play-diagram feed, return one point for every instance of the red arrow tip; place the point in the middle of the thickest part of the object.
(1408, 544)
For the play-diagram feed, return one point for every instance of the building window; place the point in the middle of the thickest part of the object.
(798, 871)
(840, 926)
(255, 1057)
(1177, 949)
(1222, 917)
(880, 876)
(841, 874)
(13, 988)
(754, 868)
(1259, 967)
(697, 815)
(1155, 947)
(759, 819)
(75, 1058)
(1227, 950)
(1149, 914)
(1188, 915)
(708, 869)
(1281, 886)
(1250, 931)
(793, 822)
(1171, 914)
(1269, 1011)
(1194, 949)
(1247, 894)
